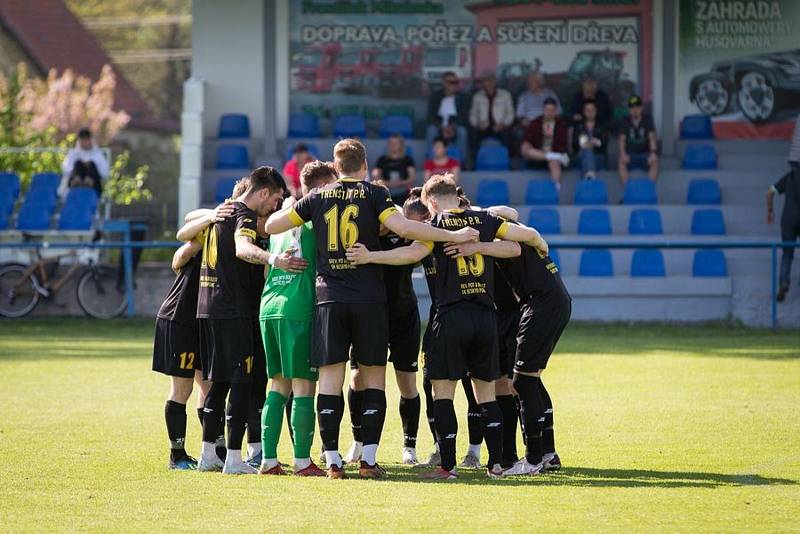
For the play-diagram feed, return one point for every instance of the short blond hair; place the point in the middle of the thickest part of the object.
(349, 156)
(439, 185)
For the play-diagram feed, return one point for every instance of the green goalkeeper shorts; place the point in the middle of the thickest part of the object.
(287, 345)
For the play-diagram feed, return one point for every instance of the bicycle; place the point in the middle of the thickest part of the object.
(100, 291)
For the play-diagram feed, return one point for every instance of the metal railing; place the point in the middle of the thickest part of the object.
(127, 247)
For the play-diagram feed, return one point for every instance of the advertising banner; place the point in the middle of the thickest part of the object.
(739, 62)
(385, 57)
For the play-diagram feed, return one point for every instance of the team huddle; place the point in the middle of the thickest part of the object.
(338, 291)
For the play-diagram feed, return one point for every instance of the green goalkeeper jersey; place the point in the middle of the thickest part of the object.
(291, 295)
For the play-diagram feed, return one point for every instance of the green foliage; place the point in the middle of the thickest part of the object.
(124, 188)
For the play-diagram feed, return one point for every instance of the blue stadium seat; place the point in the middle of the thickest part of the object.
(541, 192)
(708, 222)
(709, 263)
(492, 158)
(596, 262)
(492, 193)
(312, 149)
(75, 217)
(41, 196)
(594, 222)
(555, 257)
(640, 191)
(232, 157)
(34, 216)
(648, 262)
(546, 220)
(591, 192)
(224, 189)
(396, 124)
(304, 125)
(7, 200)
(83, 197)
(9, 182)
(5, 216)
(696, 127)
(454, 152)
(704, 191)
(349, 125)
(700, 157)
(645, 222)
(233, 125)
(45, 180)
(491, 141)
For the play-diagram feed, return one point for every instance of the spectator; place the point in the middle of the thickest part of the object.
(491, 113)
(590, 91)
(546, 144)
(531, 102)
(448, 114)
(441, 163)
(293, 168)
(84, 166)
(590, 141)
(396, 169)
(789, 186)
(638, 145)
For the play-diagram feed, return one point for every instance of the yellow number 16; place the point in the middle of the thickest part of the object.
(341, 227)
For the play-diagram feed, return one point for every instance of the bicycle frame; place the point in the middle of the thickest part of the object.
(38, 273)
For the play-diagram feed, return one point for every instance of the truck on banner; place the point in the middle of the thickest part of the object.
(739, 63)
(386, 57)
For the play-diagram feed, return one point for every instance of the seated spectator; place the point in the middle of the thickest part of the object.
(293, 168)
(590, 91)
(84, 166)
(590, 142)
(448, 114)
(546, 142)
(531, 102)
(491, 114)
(441, 163)
(638, 145)
(396, 169)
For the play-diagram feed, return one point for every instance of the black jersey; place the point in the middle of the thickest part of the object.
(531, 275)
(180, 305)
(465, 280)
(400, 296)
(344, 213)
(504, 297)
(226, 282)
(429, 265)
(257, 280)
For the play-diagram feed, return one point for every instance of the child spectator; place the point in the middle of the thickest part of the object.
(441, 163)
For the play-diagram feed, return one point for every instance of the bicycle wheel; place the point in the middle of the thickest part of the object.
(18, 295)
(98, 293)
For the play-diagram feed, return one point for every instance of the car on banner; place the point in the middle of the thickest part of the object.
(400, 72)
(357, 71)
(316, 69)
(440, 59)
(760, 87)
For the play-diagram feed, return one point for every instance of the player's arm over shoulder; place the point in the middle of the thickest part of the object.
(185, 253)
(291, 215)
(358, 254)
(498, 248)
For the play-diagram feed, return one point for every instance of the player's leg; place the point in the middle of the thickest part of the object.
(404, 334)
(410, 407)
(492, 421)
(303, 425)
(258, 395)
(508, 407)
(532, 411)
(549, 456)
(446, 427)
(474, 426)
(275, 403)
(237, 345)
(213, 413)
(175, 418)
(355, 405)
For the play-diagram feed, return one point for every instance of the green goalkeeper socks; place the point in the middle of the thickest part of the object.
(271, 421)
(303, 426)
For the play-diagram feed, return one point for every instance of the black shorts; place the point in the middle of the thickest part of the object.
(176, 349)
(507, 326)
(338, 325)
(463, 340)
(404, 341)
(228, 351)
(539, 331)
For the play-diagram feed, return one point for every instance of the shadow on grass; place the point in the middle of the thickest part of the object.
(594, 477)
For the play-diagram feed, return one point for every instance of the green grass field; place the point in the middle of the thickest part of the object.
(659, 428)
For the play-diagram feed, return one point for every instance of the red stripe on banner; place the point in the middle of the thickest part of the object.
(747, 130)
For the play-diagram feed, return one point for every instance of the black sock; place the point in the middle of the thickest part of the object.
(200, 416)
(289, 403)
(175, 416)
(258, 393)
(214, 411)
(236, 417)
(548, 438)
(373, 416)
(508, 407)
(409, 416)
(519, 414)
(330, 409)
(492, 419)
(532, 409)
(355, 403)
(446, 430)
(428, 388)
(474, 425)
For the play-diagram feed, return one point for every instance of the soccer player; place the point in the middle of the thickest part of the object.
(227, 336)
(464, 333)
(348, 296)
(287, 307)
(175, 348)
